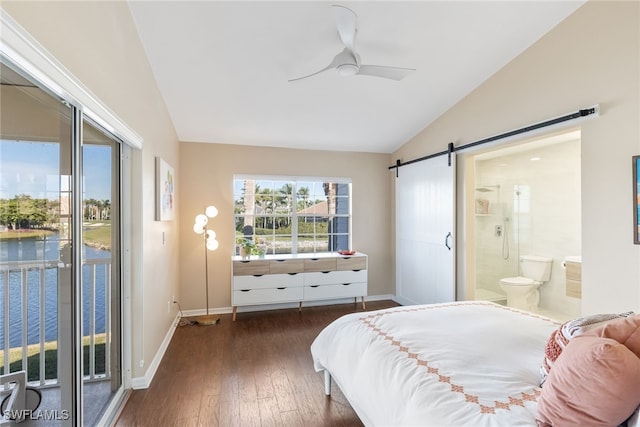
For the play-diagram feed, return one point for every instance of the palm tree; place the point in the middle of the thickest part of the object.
(284, 202)
(304, 193)
(249, 200)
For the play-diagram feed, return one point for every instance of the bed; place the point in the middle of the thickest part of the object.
(463, 363)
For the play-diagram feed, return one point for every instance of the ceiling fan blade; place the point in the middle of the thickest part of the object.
(311, 75)
(345, 56)
(346, 23)
(393, 73)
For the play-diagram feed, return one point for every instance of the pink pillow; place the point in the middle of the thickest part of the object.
(594, 382)
(569, 330)
(625, 330)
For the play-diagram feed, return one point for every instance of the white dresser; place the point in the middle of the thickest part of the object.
(297, 278)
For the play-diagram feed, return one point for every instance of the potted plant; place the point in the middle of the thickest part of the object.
(247, 246)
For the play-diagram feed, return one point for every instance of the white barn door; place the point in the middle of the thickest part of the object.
(425, 220)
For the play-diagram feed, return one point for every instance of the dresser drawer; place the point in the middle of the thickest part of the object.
(279, 266)
(267, 281)
(335, 277)
(297, 278)
(335, 291)
(319, 264)
(250, 267)
(351, 263)
(267, 296)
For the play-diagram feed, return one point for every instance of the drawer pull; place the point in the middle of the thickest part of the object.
(355, 270)
(346, 284)
(315, 259)
(245, 290)
(280, 260)
(292, 274)
(314, 286)
(280, 289)
(245, 261)
(326, 272)
(258, 275)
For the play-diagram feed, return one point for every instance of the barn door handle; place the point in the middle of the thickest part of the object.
(446, 240)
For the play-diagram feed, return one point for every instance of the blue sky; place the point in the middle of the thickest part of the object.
(33, 168)
(316, 189)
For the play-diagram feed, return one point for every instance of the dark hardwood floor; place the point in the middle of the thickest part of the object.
(256, 371)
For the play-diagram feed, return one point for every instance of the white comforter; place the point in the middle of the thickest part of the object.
(455, 364)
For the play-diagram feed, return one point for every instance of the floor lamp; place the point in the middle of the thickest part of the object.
(210, 244)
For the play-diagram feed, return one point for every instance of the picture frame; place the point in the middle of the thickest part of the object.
(165, 191)
(636, 200)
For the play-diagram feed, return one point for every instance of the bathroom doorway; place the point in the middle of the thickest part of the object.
(525, 199)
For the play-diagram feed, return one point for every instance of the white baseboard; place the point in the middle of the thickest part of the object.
(145, 381)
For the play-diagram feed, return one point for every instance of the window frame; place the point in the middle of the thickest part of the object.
(294, 216)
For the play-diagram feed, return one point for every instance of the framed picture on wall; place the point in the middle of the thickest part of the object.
(165, 191)
(636, 200)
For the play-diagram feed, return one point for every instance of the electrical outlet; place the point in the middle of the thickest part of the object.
(141, 363)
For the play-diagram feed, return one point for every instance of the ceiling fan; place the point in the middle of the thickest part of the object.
(347, 62)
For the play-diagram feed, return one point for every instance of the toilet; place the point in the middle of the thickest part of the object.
(522, 291)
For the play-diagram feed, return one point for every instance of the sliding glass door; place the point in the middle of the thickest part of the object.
(60, 279)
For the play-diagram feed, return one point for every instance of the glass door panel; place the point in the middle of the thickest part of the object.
(100, 271)
(36, 266)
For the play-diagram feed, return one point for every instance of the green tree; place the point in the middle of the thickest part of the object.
(9, 213)
(303, 192)
(24, 212)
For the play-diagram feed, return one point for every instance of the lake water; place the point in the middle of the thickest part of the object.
(38, 250)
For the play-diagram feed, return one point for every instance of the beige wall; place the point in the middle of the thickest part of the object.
(207, 178)
(98, 43)
(591, 58)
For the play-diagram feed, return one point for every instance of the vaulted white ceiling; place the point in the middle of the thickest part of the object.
(223, 67)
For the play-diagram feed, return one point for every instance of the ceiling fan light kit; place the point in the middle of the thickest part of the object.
(347, 62)
(347, 69)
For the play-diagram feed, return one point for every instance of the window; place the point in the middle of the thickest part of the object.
(285, 215)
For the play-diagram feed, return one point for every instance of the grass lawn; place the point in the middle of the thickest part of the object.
(24, 234)
(95, 233)
(98, 235)
(51, 359)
